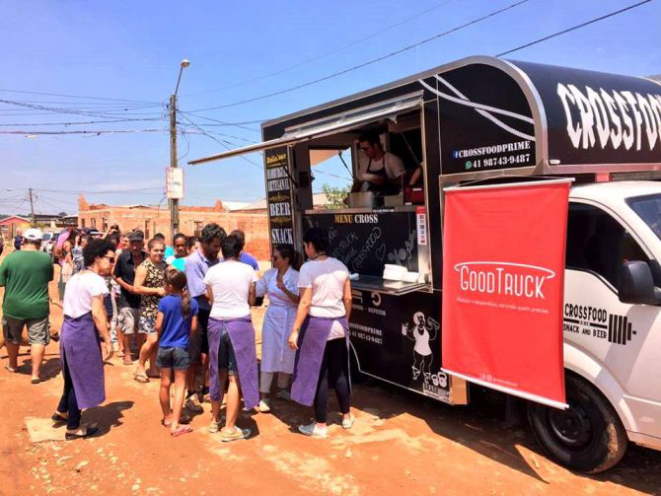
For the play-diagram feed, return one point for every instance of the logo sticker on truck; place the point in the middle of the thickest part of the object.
(598, 323)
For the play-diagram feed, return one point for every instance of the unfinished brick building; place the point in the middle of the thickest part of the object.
(253, 220)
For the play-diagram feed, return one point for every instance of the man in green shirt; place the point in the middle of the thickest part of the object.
(25, 275)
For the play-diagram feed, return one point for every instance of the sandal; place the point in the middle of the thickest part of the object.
(141, 378)
(127, 361)
(11, 369)
(182, 429)
(166, 423)
(80, 433)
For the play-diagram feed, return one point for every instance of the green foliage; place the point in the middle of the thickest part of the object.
(335, 196)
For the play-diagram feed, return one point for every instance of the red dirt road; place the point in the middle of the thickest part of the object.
(400, 444)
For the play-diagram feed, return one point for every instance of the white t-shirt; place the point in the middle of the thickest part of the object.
(393, 164)
(230, 285)
(80, 290)
(327, 279)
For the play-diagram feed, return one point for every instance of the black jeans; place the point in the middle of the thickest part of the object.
(334, 373)
(68, 402)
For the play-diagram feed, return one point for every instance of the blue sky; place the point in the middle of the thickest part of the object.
(127, 50)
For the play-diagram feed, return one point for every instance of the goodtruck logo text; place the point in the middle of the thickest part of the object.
(503, 279)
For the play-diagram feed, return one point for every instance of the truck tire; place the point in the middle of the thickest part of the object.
(587, 437)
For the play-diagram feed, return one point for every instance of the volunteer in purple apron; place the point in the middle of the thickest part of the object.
(80, 354)
(322, 359)
(232, 355)
(281, 285)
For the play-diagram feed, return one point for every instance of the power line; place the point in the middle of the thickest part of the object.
(368, 63)
(76, 96)
(324, 55)
(108, 192)
(222, 143)
(96, 132)
(224, 123)
(573, 28)
(81, 123)
(102, 113)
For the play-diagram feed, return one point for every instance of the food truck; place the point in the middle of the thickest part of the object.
(488, 119)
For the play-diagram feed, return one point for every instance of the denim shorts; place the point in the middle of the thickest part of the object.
(172, 358)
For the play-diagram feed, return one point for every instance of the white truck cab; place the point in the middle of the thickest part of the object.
(611, 347)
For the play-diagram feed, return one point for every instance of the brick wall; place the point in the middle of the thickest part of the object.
(152, 220)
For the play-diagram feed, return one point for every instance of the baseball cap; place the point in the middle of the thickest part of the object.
(33, 234)
(136, 236)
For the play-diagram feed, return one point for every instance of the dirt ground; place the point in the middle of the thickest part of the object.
(401, 444)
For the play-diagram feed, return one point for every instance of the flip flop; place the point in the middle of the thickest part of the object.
(84, 432)
(166, 423)
(182, 429)
(10, 369)
(141, 378)
(127, 362)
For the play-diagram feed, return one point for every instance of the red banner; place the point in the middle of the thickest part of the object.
(503, 286)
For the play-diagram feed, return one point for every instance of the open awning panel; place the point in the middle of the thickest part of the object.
(334, 124)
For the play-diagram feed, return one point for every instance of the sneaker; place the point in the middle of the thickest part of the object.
(347, 423)
(193, 404)
(234, 435)
(264, 406)
(214, 427)
(283, 394)
(313, 431)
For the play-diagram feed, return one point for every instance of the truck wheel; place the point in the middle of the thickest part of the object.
(587, 437)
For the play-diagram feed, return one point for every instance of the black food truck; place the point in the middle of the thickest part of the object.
(483, 118)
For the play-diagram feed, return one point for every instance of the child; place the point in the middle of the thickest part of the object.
(176, 320)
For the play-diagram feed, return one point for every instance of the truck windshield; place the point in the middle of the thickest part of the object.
(649, 209)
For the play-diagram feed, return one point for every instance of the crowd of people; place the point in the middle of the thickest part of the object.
(182, 314)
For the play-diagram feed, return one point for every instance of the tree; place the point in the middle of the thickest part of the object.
(335, 196)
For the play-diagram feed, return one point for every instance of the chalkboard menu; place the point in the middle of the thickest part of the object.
(365, 242)
(279, 196)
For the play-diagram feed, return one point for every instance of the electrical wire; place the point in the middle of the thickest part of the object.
(93, 192)
(222, 143)
(76, 96)
(364, 64)
(573, 28)
(224, 123)
(324, 55)
(81, 123)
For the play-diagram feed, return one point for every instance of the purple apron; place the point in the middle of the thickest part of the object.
(242, 336)
(311, 346)
(79, 343)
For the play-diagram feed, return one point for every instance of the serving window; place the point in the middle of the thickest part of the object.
(374, 231)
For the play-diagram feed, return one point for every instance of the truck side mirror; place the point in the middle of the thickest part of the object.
(636, 285)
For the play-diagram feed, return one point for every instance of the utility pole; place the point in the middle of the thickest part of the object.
(174, 202)
(34, 222)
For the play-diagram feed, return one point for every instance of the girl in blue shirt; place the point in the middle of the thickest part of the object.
(176, 320)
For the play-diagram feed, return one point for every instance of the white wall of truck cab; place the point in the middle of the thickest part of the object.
(615, 345)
